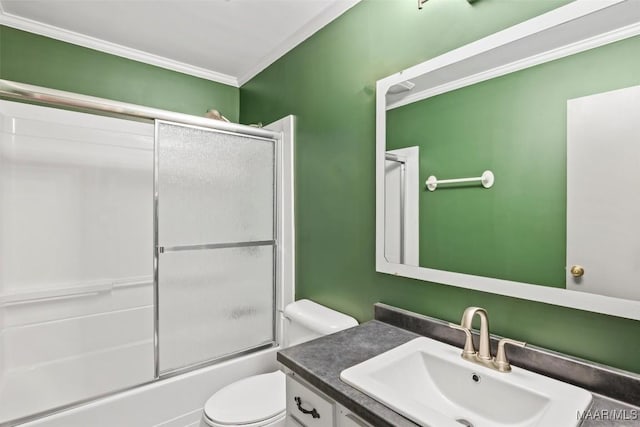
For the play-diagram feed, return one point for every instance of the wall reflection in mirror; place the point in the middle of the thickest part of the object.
(563, 142)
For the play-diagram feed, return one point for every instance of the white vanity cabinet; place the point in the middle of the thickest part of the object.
(309, 407)
(345, 418)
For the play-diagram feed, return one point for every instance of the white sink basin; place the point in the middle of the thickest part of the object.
(428, 382)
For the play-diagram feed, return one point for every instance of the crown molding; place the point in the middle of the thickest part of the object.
(78, 39)
(328, 15)
(331, 13)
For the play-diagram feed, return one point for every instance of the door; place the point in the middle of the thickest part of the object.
(216, 245)
(603, 207)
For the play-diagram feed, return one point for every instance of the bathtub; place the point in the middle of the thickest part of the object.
(173, 402)
(81, 325)
(86, 341)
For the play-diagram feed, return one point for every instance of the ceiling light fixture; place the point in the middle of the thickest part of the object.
(421, 2)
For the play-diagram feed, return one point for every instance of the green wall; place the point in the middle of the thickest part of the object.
(38, 60)
(515, 126)
(328, 82)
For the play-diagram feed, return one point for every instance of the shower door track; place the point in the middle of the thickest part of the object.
(100, 106)
(92, 104)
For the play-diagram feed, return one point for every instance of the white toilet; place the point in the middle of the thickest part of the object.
(259, 400)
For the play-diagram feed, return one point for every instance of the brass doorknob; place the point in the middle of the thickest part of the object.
(577, 271)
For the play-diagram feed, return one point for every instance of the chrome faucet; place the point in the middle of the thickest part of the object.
(467, 321)
(483, 356)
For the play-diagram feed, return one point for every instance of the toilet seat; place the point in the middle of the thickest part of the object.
(264, 423)
(250, 402)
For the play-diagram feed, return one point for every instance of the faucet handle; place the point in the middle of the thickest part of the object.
(469, 349)
(501, 361)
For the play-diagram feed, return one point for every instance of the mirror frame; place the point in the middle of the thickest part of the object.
(509, 51)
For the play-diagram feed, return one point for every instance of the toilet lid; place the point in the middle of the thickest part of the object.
(249, 400)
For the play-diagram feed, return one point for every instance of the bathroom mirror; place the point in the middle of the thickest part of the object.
(528, 139)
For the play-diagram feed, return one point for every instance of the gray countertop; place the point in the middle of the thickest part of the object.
(320, 362)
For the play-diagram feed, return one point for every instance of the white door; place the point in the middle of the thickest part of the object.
(603, 187)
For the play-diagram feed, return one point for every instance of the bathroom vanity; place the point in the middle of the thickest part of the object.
(316, 396)
(308, 406)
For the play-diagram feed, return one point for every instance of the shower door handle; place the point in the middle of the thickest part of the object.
(201, 246)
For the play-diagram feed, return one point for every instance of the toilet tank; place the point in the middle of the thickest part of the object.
(306, 320)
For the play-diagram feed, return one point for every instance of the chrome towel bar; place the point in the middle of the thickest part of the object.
(486, 180)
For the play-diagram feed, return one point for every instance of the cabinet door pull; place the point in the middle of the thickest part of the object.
(311, 412)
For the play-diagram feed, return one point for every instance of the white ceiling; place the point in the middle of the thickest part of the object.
(229, 41)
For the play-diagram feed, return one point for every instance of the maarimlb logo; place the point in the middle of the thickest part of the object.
(609, 414)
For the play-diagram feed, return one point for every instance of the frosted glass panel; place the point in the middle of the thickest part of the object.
(214, 302)
(214, 187)
(76, 267)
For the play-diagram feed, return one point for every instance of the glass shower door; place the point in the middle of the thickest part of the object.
(215, 207)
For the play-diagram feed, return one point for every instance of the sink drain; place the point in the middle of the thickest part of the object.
(464, 422)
